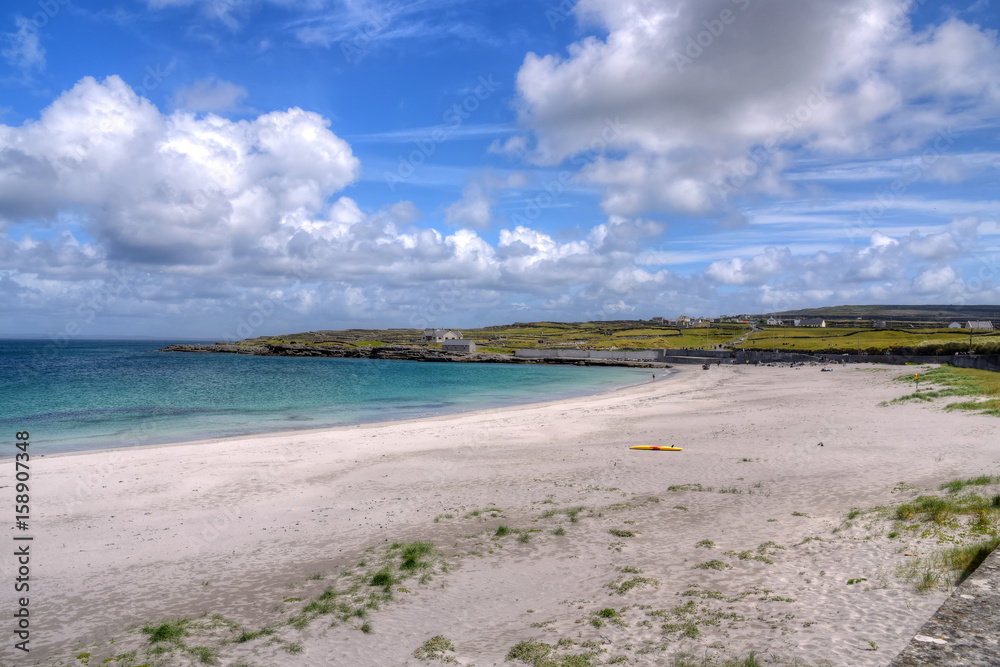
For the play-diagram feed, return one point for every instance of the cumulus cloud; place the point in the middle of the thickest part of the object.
(211, 94)
(170, 217)
(24, 49)
(168, 188)
(715, 98)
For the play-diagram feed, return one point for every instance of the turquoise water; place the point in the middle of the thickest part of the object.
(100, 394)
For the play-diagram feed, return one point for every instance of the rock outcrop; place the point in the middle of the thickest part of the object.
(397, 352)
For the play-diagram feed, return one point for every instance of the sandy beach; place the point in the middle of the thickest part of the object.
(253, 529)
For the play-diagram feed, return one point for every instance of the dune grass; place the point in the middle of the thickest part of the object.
(983, 385)
(957, 485)
(438, 647)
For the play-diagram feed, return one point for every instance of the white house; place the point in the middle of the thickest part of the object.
(775, 322)
(814, 322)
(459, 346)
(955, 325)
(984, 325)
(440, 335)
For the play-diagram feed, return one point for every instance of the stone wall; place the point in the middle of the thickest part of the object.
(983, 362)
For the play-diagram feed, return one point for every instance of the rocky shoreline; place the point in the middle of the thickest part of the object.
(396, 352)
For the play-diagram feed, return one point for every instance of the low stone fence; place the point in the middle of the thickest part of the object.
(614, 355)
(965, 630)
(986, 362)
(682, 356)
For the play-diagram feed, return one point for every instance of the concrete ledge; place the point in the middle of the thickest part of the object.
(965, 631)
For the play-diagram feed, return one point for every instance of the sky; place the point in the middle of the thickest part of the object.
(234, 168)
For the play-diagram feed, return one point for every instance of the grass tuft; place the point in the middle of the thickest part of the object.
(171, 631)
(621, 533)
(957, 485)
(713, 564)
(623, 587)
(436, 648)
(412, 554)
(248, 636)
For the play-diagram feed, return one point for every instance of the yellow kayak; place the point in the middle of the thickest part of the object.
(657, 448)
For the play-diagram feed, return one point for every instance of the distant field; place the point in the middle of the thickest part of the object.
(645, 336)
(931, 341)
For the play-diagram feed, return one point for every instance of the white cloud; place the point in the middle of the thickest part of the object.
(756, 271)
(168, 188)
(475, 208)
(211, 94)
(516, 146)
(24, 50)
(715, 98)
(935, 281)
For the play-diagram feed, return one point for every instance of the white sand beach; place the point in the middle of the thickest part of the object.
(252, 529)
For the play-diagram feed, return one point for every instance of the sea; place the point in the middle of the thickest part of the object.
(83, 395)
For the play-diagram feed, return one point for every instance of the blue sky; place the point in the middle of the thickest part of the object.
(202, 167)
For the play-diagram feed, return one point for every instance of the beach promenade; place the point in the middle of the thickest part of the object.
(549, 535)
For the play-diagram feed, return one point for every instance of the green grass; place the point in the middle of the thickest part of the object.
(532, 653)
(965, 559)
(505, 339)
(960, 382)
(540, 654)
(383, 578)
(249, 636)
(205, 655)
(171, 631)
(839, 340)
(957, 485)
(413, 553)
(939, 510)
(706, 544)
(503, 530)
